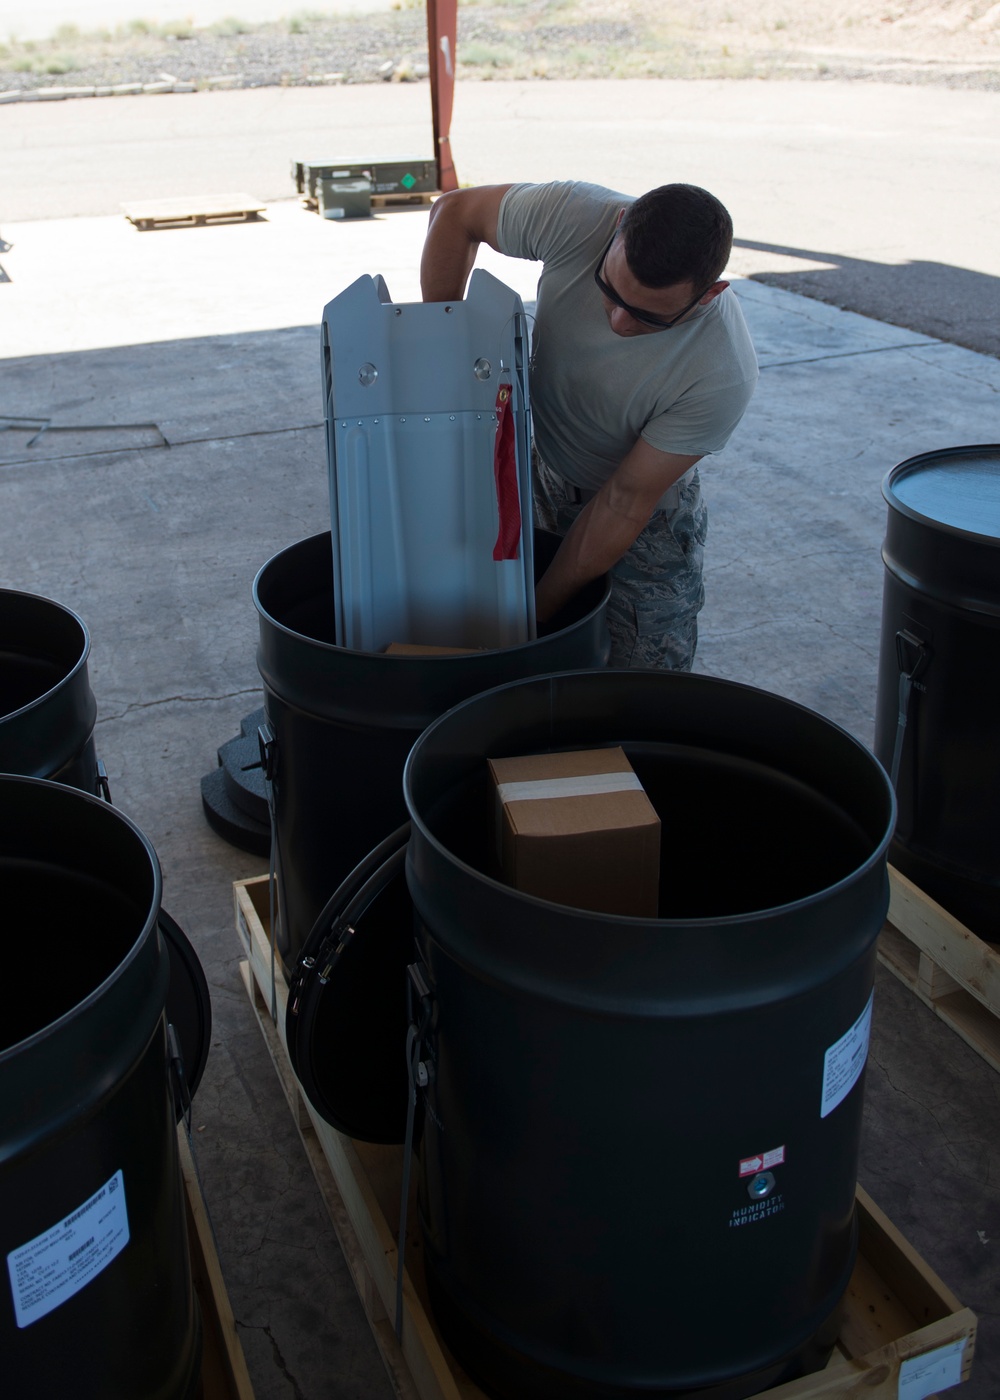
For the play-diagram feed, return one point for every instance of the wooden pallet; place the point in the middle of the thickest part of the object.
(900, 1320)
(416, 199)
(952, 971)
(192, 211)
(224, 1374)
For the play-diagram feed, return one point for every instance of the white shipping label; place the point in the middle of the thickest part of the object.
(60, 1261)
(844, 1061)
(936, 1370)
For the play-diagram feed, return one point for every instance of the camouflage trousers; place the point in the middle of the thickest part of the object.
(656, 587)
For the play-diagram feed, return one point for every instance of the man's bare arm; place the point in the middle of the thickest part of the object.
(458, 223)
(609, 524)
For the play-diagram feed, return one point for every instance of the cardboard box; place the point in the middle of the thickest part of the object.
(577, 829)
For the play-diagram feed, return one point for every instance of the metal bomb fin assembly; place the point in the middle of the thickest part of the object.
(428, 445)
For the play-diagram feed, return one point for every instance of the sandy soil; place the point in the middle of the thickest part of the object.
(953, 42)
(901, 40)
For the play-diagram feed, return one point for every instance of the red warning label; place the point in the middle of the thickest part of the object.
(762, 1162)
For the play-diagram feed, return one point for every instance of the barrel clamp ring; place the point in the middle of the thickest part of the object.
(300, 980)
(419, 1072)
(912, 656)
(333, 945)
(103, 786)
(267, 744)
(321, 966)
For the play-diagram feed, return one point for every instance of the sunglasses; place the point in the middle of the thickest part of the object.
(645, 318)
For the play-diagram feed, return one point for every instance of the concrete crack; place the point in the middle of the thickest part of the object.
(960, 374)
(849, 354)
(905, 1094)
(174, 442)
(952, 1148)
(279, 1360)
(851, 641)
(175, 700)
(239, 437)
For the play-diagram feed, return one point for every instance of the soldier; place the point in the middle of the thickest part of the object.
(641, 365)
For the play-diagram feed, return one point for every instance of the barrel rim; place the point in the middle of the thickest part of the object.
(718, 921)
(911, 464)
(151, 921)
(380, 656)
(79, 664)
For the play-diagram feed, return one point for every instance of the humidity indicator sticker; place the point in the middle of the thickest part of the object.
(936, 1370)
(762, 1162)
(59, 1262)
(844, 1061)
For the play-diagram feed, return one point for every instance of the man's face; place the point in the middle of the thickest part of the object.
(667, 305)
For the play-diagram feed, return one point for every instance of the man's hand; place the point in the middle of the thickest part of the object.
(458, 223)
(609, 524)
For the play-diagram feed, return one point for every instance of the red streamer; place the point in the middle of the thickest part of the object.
(505, 476)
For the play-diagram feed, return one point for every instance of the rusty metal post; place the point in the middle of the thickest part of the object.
(442, 27)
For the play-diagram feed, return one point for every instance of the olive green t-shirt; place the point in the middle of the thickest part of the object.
(593, 393)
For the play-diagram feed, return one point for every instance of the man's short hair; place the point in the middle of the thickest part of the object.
(677, 233)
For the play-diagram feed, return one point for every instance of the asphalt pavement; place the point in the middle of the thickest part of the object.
(882, 199)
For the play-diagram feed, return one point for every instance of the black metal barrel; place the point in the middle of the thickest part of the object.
(47, 708)
(939, 676)
(98, 1300)
(344, 721)
(47, 718)
(640, 1139)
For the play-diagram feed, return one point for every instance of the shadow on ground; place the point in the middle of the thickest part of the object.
(950, 303)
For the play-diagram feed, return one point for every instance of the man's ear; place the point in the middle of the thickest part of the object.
(621, 215)
(715, 290)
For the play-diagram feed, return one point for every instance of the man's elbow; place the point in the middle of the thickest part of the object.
(449, 212)
(434, 214)
(630, 503)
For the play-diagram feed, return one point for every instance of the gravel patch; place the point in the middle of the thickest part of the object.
(521, 39)
(346, 50)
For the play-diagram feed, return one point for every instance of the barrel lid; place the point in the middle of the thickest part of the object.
(346, 1019)
(958, 488)
(189, 1006)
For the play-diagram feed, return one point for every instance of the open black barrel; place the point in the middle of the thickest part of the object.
(47, 718)
(98, 1296)
(939, 676)
(47, 708)
(640, 1139)
(344, 721)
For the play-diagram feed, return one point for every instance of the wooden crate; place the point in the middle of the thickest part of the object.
(402, 199)
(224, 1374)
(900, 1320)
(952, 971)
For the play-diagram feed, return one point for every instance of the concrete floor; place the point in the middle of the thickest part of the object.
(880, 198)
(210, 334)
